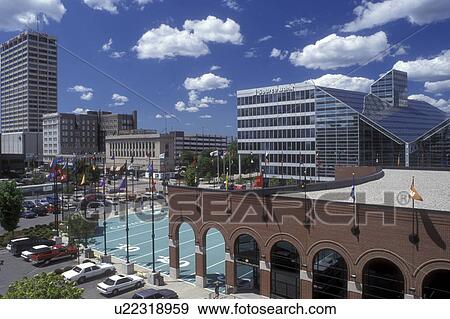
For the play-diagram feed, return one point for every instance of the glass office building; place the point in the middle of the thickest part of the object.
(303, 131)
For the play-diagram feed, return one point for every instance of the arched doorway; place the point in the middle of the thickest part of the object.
(285, 271)
(215, 259)
(186, 239)
(436, 285)
(382, 279)
(330, 275)
(246, 259)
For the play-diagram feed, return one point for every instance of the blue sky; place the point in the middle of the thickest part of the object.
(188, 58)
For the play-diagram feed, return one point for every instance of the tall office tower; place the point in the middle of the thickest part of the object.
(28, 88)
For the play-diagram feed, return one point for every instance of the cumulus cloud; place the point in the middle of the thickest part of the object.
(232, 4)
(438, 86)
(180, 106)
(432, 69)
(266, 38)
(80, 110)
(297, 22)
(20, 14)
(195, 103)
(167, 42)
(206, 82)
(441, 104)
(335, 51)
(165, 116)
(420, 12)
(119, 100)
(215, 67)
(206, 116)
(86, 93)
(117, 54)
(104, 5)
(344, 82)
(279, 54)
(213, 29)
(107, 46)
(276, 80)
(251, 53)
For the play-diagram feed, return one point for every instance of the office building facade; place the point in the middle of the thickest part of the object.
(197, 143)
(307, 131)
(28, 86)
(67, 134)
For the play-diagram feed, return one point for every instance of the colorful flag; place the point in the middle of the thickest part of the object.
(162, 156)
(113, 157)
(83, 180)
(150, 168)
(123, 184)
(101, 183)
(413, 192)
(214, 154)
(266, 158)
(52, 176)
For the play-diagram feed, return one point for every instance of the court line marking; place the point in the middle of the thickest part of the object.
(134, 235)
(184, 242)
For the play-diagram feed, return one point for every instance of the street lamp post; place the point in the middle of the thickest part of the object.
(150, 182)
(127, 229)
(104, 204)
(251, 169)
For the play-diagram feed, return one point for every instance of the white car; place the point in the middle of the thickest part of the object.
(85, 271)
(117, 283)
(26, 255)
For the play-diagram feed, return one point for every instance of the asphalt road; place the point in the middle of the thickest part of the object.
(14, 268)
(27, 223)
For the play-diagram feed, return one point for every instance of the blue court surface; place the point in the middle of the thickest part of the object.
(140, 245)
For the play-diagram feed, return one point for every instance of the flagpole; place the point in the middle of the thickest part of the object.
(84, 196)
(114, 181)
(67, 186)
(126, 211)
(104, 204)
(218, 168)
(153, 223)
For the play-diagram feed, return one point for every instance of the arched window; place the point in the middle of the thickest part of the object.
(330, 275)
(382, 279)
(436, 285)
(246, 257)
(285, 271)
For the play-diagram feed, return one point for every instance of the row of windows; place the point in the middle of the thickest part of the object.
(276, 109)
(277, 121)
(276, 97)
(276, 146)
(286, 133)
(293, 171)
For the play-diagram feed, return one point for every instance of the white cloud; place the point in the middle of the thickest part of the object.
(266, 38)
(86, 93)
(107, 45)
(206, 116)
(215, 67)
(180, 106)
(167, 42)
(211, 100)
(206, 82)
(117, 54)
(250, 54)
(442, 104)
(335, 51)
(104, 5)
(232, 4)
(297, 22)
(432, 69)
(166, 116)
(80, 110)
(420, 12)
(213, 29)
(438, 86)
(20, 14)
(159, 116)
(119, 100)
(279, 54)
(344, 82)
(276, 80)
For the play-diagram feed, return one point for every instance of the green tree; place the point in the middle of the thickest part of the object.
(274, 182)
(11, 199)
(191, 176)
(44, 286)
(187, 157)
(78, 228)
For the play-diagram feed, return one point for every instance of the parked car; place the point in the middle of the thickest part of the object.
(27, 214)
(18, 245)
(155, 294)
(40, 210)
(118, 283)
(26, 255)
(88, 270)
(56, 253)
(42, 201)
(29, 204)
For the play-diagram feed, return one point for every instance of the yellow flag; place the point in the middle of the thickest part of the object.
(413, 193)
(83, 180)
